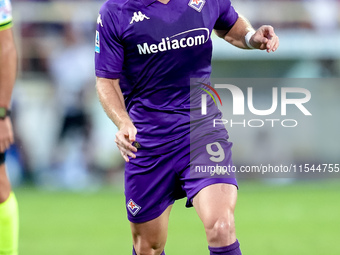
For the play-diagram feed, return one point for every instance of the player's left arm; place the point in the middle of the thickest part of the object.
(8, 63)
(263, 38)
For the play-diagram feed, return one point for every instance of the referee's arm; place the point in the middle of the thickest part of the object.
(263, 38)
(8, 63)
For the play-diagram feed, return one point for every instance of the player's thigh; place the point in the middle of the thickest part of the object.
(5, 186)
(153, 233)
(214, 202)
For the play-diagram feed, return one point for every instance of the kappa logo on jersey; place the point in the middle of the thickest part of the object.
(97, 43)
(133, 207)
(197, 4)
(138, 17)
(99, 20)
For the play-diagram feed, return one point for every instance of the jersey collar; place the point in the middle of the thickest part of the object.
(148, 2)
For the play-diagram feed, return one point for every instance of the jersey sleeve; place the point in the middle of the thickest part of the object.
(227, 15)
(5, 14)
(109, 51)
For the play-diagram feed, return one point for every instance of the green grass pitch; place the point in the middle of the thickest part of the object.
(300, 218)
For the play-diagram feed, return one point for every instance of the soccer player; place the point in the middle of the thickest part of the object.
(146, 53)
(8, 65)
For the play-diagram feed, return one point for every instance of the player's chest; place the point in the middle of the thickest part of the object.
(177, 24)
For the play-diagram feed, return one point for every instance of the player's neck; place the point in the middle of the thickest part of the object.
(164, 1)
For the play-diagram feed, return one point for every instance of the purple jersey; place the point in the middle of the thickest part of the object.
(154, 49)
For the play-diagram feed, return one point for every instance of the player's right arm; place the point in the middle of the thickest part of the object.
(109, 59)
(112, 100)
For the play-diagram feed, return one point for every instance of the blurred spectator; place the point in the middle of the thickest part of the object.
(71, 69)
(323, 14)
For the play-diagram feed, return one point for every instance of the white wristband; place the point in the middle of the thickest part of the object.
(247, 39)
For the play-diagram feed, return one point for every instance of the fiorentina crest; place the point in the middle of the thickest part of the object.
(197, 4)
(133, 207)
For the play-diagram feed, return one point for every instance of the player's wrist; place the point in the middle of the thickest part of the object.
(4, 113)
(247, 39)
(125, 122)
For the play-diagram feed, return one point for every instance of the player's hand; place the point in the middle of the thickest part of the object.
(265, 39)
(6, 134)
(124, 139)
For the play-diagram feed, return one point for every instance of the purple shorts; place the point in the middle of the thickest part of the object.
(153, 182)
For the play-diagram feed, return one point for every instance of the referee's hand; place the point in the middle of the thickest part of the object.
(124, 139)
(6, 134)
(265, 39)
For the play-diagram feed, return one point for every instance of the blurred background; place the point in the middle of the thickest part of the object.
(65, 156)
